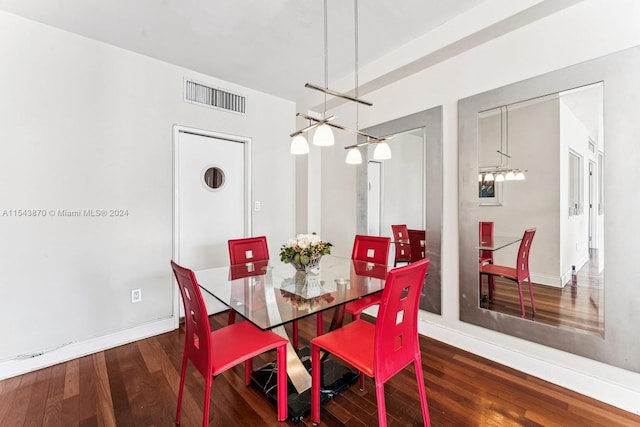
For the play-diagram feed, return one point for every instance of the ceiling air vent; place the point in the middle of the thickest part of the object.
(197, 93)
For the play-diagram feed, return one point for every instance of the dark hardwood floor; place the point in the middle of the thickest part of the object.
(136, 385)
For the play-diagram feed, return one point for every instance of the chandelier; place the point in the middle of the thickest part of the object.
(323, 135)
(502, 172)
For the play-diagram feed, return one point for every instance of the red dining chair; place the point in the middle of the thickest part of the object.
(252, 249)
(417, 243)
(383, 349)
(401, 242)
(212, 353)
(249, 249)
(485, 231)
(371, 249)
(242, 251)
(517, 274)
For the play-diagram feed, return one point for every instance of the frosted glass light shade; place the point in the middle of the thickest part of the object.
(354, 157)
(299, 145)
(488, 177)
(382, 151)
(519, 176)
(500, 178)
(323, 136)
(479, 177)
(510, 176)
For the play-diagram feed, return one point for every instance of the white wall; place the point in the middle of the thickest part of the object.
(581, 32)
(89, 126)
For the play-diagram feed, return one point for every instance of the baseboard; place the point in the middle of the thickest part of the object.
(545, 279)
(12, 368)
(598, 388)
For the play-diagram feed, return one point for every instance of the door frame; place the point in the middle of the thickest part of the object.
(177, 130)
(380, 166)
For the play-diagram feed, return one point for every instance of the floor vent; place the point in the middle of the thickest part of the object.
(197, 93)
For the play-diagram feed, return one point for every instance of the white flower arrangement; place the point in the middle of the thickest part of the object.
(304, 249)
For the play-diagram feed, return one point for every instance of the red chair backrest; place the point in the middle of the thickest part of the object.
(396, 336)
(198, 332)
(401, 233)
(371, 249)
(249, 249)
(522, 266)
(485, 230)
(417, 242)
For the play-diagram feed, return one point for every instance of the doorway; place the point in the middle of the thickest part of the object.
(211, 200)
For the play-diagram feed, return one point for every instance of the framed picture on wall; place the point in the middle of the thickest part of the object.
(489, 192)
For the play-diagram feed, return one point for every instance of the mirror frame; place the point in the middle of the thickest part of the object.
(619, 72)
(431, 122)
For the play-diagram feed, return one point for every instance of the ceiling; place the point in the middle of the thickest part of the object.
(274, 46)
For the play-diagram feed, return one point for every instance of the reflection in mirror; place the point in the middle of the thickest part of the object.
(407, 189)
(396, 186)
(555, 145)
(611, 157)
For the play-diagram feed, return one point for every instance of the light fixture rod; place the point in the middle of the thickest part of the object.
(506, 155)
(371, 140)
(317, 123)
(337, 126)
(338, 94)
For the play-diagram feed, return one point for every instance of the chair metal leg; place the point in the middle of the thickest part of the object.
(248, 369)
(181, 388)
(382, 409)
(521, 299)
(283, 407)
(207, 400)
(319, 324)
(232, 317)
(316, 376)
(533, 303)
(417, 364)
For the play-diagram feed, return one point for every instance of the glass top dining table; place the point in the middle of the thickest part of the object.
(272, 293)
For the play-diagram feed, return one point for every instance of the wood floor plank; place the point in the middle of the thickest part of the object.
(55, 395)
(8, 392)
(38, 398)
(104, 407)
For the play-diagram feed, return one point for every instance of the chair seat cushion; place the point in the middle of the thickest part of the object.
(499, 270)
(359, 305)
(352, 343)
(236, 343)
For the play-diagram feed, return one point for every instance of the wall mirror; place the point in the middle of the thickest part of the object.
(539, 161)
(571, 134)
(406, 189)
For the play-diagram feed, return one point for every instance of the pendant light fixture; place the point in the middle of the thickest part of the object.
(382, 151)
(354, 157)
(323, 135)
(299, 145)
(503, 173)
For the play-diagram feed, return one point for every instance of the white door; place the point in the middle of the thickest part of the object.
(211, 188)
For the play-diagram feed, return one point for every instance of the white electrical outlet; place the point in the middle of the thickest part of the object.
(136, 295)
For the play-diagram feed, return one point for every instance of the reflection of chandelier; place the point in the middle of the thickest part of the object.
(502, 173)
(323, 135)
